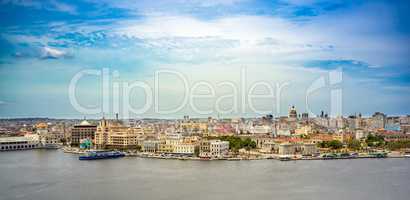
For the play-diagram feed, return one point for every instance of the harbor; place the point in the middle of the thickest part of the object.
(327, 156)
(47, 174)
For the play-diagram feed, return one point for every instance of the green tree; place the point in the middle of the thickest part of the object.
(334, 144)
(196, 151)
(374, 140)
(354, 144)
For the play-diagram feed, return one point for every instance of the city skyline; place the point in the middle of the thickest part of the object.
(282, 44)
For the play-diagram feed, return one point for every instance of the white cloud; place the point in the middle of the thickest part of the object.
(357, 34)
(50, 53)
(63, 7)
(52, 5)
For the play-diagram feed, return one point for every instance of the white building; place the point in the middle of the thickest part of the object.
(150, 146)
(18, 143)
(284, 132)
(261, 129)
(286, 149)
(218, 148)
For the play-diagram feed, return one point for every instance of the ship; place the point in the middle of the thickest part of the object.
(285, 158)
(97, 155)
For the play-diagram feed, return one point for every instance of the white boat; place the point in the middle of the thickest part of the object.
(51, 146)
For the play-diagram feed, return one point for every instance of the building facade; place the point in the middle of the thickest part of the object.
(115, 135)
(18, 143)
(84, 130)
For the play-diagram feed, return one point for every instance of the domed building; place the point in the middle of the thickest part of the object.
(41, 125)
(84, 130)
(42, 128)
(292, 113)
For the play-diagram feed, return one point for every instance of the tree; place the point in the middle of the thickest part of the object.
(354, 144)
(334, 144)
(196, 151)
(374, 140)
(395, 145)
(236, 143)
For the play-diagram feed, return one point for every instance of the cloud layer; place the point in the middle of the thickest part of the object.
(281, 41)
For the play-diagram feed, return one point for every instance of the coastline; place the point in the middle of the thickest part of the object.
(245, 158)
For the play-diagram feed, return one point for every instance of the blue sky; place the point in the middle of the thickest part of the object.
(43, 44)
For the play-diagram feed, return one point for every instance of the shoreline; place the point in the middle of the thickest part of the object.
(244, 158)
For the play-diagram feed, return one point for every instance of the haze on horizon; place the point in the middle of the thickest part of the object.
(44, 44)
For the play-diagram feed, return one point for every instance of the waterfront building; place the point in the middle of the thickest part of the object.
(185, 149)
(204, 148)
(213, 148)
(309, 149)
(151, 146)
(165, 148)
(46, 139)
(115, 135)
(82, 131)
(269, 147)
(170, 142)
(18, 143)
(218, 148)
(49, 140)
(286, 149)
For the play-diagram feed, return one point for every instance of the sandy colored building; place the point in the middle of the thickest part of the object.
(115, 135)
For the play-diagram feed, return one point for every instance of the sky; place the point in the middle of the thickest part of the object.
(343, 57)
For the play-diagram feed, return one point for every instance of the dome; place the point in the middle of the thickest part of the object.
(85, 123)
(41, 125)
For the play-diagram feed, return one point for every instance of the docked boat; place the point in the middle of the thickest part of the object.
(285, 158)
(97, 155)
(407, 155)
(51, 146)
(378, 155)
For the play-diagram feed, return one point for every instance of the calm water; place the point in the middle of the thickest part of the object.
(43, 175)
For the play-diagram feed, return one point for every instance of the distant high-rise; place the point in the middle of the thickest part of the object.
(378, 121)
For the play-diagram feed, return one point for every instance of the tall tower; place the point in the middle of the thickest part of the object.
(292, 113)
